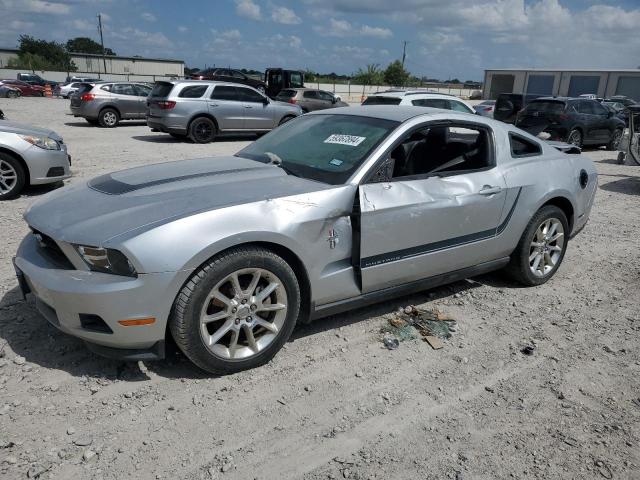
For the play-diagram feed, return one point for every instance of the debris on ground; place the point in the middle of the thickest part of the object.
(528, 350)
(410, 322)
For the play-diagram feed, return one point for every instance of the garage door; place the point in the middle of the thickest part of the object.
(581, 84)
(540, 84)
(501, 84)
(629, 86)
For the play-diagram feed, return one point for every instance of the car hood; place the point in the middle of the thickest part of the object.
(21, 129)
(136, 200)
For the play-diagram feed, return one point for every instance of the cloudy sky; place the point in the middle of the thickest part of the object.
(446, 39)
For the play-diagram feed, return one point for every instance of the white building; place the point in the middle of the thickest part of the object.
(571, 83)
(125, 68)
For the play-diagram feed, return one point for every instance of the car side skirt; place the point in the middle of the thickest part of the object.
(320, 311)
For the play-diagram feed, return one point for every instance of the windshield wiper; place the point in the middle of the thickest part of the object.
(277, 161)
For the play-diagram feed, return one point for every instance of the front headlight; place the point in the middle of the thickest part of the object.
(106, 260)
(41, 141)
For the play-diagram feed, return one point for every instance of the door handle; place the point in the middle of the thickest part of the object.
(248, 106)
(213, 104)
(489, 190)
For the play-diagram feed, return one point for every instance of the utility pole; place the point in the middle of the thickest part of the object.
(404, 51)
(104, 59)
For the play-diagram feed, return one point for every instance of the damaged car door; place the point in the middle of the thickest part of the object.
(435, 208)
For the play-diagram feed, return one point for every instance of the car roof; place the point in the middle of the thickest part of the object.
(397, 113)
(406, 93)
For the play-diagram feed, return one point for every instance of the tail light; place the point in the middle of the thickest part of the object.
(292, 100)
(166, 104)
(87, 97)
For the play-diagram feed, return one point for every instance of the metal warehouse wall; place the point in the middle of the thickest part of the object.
(122, 66)
(563, 83)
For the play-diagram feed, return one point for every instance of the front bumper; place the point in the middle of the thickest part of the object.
(63, 296)
(47, 166)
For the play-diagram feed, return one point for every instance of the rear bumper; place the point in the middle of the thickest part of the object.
(158, 124)
(66, 298)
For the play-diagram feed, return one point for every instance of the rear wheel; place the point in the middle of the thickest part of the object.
(614, 144)
(202, 130)
(541, 248)
(108, 118)
(12, 176)
(575, 137)
(237, 311)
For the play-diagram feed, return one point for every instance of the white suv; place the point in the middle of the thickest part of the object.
(419, 98)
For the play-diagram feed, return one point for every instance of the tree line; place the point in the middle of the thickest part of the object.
(38, 54)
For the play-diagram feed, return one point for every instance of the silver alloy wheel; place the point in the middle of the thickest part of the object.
(546, 248)
(243, 313)
(8, 177)
(110, 118)
(575, 138)
(615, 141)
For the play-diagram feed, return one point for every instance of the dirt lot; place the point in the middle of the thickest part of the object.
(335, 403)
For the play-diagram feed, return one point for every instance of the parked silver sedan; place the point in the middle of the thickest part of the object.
(106, 104)
(30, 156)
(336, 209)
(202, 110)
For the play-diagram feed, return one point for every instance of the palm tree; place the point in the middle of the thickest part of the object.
(370, 76)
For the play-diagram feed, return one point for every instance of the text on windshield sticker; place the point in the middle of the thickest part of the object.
(340, 139)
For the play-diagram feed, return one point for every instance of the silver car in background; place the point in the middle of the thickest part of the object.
(202, 110)
(333, 210)
(106, 104)
(30, 156)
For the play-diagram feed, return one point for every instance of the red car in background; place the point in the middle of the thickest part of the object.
(25, 89)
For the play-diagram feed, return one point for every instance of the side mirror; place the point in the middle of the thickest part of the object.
(265, 100)
(609, 114)
(334, 100)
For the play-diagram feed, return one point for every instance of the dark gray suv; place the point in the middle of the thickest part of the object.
(201, 110)
(106, 104)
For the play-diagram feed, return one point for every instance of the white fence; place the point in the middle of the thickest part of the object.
(354, 93)
(8, 73)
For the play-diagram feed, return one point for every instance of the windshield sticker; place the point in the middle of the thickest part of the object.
(340, 139)
(336, 162)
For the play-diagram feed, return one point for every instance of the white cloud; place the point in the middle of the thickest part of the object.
(182, 29)
(284, 15)
(248, 9)
(148, 17)
(343, 28)
(20, 25)
(378, 32)
(84, 25)
(34, 6)
(141, 37)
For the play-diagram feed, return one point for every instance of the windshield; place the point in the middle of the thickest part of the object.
(379, 100)
(326, 148)
(545, 107)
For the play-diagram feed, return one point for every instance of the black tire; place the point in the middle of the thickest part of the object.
(11, 94)
(519, 267)
(11, 187)
(286, 118)
(616, 137)
(575, 138)
(202, 130)
(92, 121)
(184, 323)
(108, 118)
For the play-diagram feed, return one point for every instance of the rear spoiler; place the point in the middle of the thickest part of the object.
(565, 147)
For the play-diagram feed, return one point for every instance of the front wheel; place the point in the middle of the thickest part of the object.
(541, 248)
(12, 176)
(237, 311)
(11, 94)
(614, 144)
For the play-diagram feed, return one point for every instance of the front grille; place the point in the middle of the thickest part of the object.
(50, 249)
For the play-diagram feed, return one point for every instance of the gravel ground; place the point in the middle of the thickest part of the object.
(335, 403)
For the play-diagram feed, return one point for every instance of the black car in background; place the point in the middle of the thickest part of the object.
(33, 79)
(578, 121)
(509, 104)
(229, 75)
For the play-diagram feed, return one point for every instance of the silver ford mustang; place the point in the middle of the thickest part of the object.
(333, 210)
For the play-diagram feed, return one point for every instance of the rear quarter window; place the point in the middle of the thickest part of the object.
(545, 106)
(286, 94)
(522, 147)
(161, 89)
(382, 101)
(194, 91)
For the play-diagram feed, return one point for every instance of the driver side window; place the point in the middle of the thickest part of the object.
(440, 150)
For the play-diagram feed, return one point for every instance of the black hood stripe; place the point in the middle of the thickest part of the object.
(109, 185)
